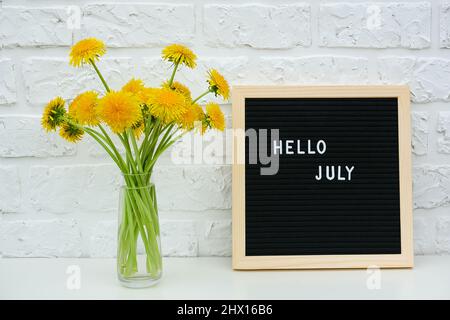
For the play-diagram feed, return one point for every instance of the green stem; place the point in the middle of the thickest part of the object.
(136, 149)
(126, 144)
(163, 145)
(147, 132)
(152, 141)
(103, 141)
(201, 96)
(152, 156)
(100, 75)
(173, 73)
(113, 146)
(98, 139)
(139, 218)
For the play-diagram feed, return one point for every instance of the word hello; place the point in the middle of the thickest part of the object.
(309, 147)
(295, 147)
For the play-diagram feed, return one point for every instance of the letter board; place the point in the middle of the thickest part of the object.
(332, 187)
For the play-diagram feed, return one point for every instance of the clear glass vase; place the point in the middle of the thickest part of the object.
(139, 262)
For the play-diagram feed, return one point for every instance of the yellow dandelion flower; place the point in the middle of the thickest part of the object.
(178, 53)
(71, 132)
(215, 117)
(146, 93)
(119, 110)
(138, 129)
(85, 51)
(178, 87)
(167, 105)
(218, 84)
(192, 114)
(82, 108)
(143, 96)
(134, 86)
(53, 115)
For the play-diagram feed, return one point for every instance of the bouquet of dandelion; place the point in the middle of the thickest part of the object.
(146, 121)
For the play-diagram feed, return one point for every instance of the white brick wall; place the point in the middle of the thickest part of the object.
(138, 24)
(22, 26)
(375, 25)
(59, 200)
(257, 26)
(7, 83)
(327, 69)
(22, 136)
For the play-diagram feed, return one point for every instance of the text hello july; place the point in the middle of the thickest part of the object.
(299, 147)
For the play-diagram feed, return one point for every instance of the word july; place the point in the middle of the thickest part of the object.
(314, 148)
(331, 174)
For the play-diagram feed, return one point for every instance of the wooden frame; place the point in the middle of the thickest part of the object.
(403, 260)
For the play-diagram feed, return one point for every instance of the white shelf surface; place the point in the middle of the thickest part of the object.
(213, 278)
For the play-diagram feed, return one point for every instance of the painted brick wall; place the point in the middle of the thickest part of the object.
(59, 200)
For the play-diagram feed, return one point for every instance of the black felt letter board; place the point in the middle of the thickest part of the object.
(293, 213)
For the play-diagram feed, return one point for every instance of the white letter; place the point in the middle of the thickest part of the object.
(198, 149)
(374, 17)
(349, 170)
(272, 159)
(181, 152)
(339, 174)
(289, 147)
(299, 149)
(309, 148)
(319, 176)
(74, 19)
(324, 147)
(374, 280)
(275, 147)
(74, 280)
(330, 172)
(213, 152)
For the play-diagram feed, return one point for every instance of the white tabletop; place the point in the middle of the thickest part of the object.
(213, 278)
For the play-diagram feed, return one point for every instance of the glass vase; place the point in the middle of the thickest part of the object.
(139, 262)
